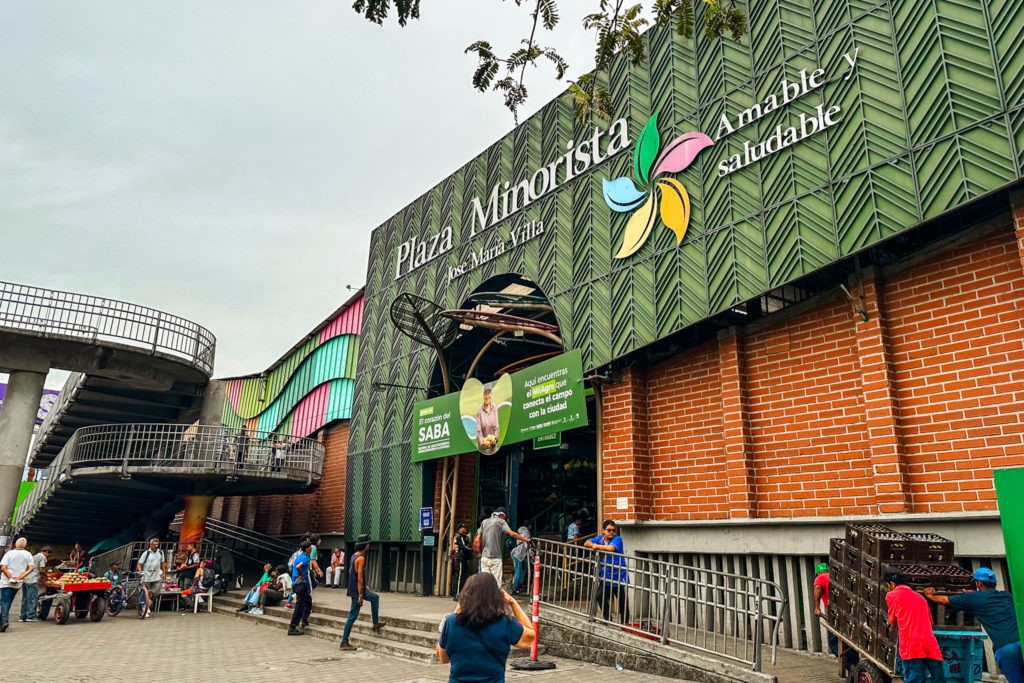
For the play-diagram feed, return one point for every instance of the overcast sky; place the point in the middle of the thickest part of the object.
(226, 161)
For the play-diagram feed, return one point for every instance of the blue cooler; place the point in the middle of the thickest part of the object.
(962, 655)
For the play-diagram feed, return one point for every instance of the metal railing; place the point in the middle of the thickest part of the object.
(92, 319)
(714, 612)
(127, 556)
(255, 546)
(181, 449)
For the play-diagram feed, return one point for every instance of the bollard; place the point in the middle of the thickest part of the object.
(532, 663)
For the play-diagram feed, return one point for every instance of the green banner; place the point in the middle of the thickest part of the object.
(546, 398)
(547, 441)
(1009, 484)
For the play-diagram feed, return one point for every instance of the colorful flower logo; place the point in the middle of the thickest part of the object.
(622, 194)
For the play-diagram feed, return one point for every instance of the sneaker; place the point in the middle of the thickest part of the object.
(256, 612)
(21, 618)
(244, 608)
(378, 626)
(148, 615)
(31, 620)
(347, 647)
(304, 625)
(294, 632)
(288, 605)
(3, 627)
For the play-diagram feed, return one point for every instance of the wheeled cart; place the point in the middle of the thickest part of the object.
(85, 598)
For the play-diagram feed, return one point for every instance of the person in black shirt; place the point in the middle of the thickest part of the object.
(994, 609)
(462, 557)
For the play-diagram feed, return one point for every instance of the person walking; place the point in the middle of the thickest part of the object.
(612, 571)
(301, 586)
(477, 637)
(918, 648)
(821, 597)
(15, 566)
(358, 591)
(462, 557)
(521, 559)
(153, 568)
(994, 609)
(30, 592)
(492, 534)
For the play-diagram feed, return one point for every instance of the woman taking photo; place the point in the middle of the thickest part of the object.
(477, 637)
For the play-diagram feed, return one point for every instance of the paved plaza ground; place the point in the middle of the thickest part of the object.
(225, 649)
(213, 647)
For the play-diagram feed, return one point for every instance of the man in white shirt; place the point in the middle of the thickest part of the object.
(14, 567)
(153, 568)
(30, 592)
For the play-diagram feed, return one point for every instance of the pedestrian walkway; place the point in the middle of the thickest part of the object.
(219, 647)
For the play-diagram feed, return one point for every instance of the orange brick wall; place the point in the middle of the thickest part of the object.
(809, 448)
(957, 337)
(686, 442)
(824, 413)
(322, 511)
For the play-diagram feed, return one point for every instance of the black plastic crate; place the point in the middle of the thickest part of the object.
(835, 576)
(852, 559)
(887, 546)
(837, 550)
(871, 568)
(871, 593)
(931, 548)
(851, 582)
(885, 652)
(918, 575)
(951, 577)
(833, 613)
(886, 631)
(866, 637)
(855, 533)
(848, 626)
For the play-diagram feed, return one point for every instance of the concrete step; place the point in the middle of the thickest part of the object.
(362, 635)
(335, 614)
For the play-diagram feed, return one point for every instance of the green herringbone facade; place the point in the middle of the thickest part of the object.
(932, 117)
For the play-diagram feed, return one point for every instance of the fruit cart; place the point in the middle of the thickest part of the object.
(80, 594)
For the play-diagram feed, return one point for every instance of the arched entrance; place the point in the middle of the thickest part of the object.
(505, 326)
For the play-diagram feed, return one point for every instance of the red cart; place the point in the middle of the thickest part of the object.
(82, 598)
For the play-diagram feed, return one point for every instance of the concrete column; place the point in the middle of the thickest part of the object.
(193, 522)
(212, 411)
(18, 417)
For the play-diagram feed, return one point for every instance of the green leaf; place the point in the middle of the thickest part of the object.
(646, 150)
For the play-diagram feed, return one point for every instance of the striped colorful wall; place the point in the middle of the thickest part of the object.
(310, 387)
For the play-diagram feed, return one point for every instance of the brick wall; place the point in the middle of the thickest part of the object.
(278, 515)
(826, 411)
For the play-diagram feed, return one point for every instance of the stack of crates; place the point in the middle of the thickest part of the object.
(857, 567)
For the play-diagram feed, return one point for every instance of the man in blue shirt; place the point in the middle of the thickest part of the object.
(300, 585)
(612, 571)
(994, 609)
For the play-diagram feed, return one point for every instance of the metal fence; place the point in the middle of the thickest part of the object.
(52, 313)
(127, 556)
(710, 611)
(174, 448)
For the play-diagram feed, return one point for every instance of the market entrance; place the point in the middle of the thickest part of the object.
(507, 325)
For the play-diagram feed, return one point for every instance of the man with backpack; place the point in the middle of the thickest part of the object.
(490, 536)
(153, 567)
(300, 584)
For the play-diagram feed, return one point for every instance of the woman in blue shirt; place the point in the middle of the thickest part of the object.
(477, 637)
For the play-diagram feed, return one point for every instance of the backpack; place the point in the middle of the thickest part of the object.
(291, 560)
(510, 544)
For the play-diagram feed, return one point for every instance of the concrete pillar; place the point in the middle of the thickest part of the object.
(212, 411)
(17, 418)
(193, 521)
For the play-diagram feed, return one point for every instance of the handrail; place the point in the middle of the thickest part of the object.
(68, 394)
(181, 449)
(92, 319)
(709, 611)
(218, 527)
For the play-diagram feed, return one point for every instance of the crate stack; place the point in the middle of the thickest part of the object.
(857, 567)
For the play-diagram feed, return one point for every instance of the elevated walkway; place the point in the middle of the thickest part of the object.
(110, 476)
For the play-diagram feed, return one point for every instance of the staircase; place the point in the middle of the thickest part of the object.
(408, 637)
(252, 545)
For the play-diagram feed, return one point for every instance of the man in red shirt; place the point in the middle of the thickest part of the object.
(821, 595)
(922, 658)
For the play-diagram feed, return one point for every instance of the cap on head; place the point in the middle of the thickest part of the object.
(984, 574)
(821, 568)
(488, 388)
(500, 511)
(46, 549)
(362, 541)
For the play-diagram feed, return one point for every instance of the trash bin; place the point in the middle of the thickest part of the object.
(962, 655)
